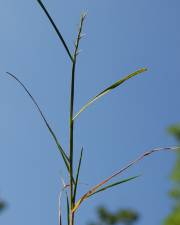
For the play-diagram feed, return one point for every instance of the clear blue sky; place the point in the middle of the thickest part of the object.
(121, 36)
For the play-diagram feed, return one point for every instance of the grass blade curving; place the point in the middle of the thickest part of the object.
(56, 29)
(63, 154)
(130, 164)
(110, 88)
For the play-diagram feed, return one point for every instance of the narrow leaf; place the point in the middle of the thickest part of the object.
(130, 164)
(56, 29)
(89, 194)
(63, 154)
(110, 88)
(77, 174)
(113, 184)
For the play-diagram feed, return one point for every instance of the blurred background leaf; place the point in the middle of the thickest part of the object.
(2, 205)
(174, 217)
(121, 216)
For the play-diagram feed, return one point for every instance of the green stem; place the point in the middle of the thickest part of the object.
(71, 121)
(72, 139)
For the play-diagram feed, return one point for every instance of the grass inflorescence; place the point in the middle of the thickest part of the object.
(71, 188)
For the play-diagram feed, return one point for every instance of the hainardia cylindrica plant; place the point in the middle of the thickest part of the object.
(70, 187)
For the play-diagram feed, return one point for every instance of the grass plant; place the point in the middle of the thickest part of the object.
(68, 157)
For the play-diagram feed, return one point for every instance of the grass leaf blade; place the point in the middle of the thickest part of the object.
(63, 154)
(90, 193)
(130, 164)
(110, 88)
(56, 29)
(77, 175)
(114, 184)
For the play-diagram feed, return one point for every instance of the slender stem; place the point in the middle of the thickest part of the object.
(71, 121)
(71, 139)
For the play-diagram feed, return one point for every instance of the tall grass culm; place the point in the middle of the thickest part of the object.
(70, 188)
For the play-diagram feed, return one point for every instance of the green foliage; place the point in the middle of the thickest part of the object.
(125, 217)
(174, 217)
(175, 131)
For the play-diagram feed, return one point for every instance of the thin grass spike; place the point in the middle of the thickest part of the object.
(71, 187)
(71, 121)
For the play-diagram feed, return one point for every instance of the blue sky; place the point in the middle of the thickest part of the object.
(121, 37)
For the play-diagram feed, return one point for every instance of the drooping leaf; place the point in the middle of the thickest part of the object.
(55, 28)
(110, 88)
(63, 154)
